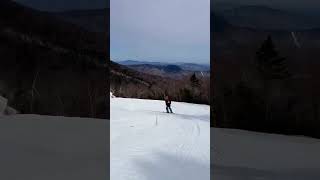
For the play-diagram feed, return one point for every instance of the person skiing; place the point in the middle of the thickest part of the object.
(168, 103)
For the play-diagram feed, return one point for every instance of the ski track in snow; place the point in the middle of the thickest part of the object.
(148, 144)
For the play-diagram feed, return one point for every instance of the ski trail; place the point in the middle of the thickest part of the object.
(147, 144)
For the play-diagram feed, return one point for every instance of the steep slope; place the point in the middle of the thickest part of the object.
(44, 26)
(127, 82)
(95, 20)
(147, 144)
(126, 74)
(49, 66)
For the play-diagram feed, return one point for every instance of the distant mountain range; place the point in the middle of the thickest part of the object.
(152, 81)
(134, 62)
(231, 35)
(265, 18)
(183, 66)
(173, 70)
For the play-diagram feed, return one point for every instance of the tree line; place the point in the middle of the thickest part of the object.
(192, 89)
(268, 96)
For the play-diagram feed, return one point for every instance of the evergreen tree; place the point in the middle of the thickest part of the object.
(186, 95)
(272, 68)
(194, 81)
(270, 64)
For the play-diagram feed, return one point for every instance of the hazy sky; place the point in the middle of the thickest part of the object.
(160, 30)
(60, 5)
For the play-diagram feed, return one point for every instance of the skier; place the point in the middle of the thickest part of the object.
(168, 104)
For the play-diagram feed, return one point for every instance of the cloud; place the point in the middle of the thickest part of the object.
(160, 29)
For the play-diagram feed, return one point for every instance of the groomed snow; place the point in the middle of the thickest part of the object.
(34, 147)
(244, 155)
(149, 144)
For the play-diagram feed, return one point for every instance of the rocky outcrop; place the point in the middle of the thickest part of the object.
(5, 109)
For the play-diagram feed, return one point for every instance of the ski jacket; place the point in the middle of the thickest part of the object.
(167, 100)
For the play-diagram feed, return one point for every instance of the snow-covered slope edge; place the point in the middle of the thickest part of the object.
(148, 144)
(53, 148)
(238, 155)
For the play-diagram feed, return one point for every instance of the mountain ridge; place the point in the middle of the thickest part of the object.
(49, 66)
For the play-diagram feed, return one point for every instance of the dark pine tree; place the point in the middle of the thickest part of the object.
(194, 81)
(274, 72)
(270, 64)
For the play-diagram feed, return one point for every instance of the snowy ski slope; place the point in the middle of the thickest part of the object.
(245, 155)
(37, 147)
(149, 144)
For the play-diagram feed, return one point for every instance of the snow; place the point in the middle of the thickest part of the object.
(3, 104)
(51, 148)
(5, 109)
(244, 155)
(149, 144)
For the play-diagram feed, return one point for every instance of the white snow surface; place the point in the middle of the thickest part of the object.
(149, 144)
(35, 147)
(245, 155)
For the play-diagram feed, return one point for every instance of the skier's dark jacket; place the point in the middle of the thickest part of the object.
(167, 100)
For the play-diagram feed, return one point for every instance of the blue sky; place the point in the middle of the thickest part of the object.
(160, 30)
